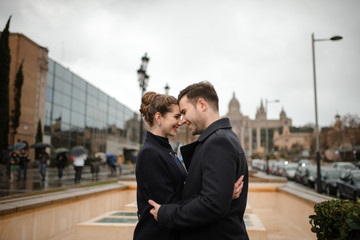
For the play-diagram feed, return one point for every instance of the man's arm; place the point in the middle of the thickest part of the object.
(238, 186)
(218, 172)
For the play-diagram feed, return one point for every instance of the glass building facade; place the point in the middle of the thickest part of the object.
(78, 113)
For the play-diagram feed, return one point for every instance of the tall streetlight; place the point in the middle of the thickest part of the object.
(143, 79)
(318, 174)
(267, 132)
(167, 88)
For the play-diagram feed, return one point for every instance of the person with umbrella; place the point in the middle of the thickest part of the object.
(44, 158)
(61, 160)
(80, 154)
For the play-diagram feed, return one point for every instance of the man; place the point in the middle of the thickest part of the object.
(214, 162)
(44, 158)
(23, 162)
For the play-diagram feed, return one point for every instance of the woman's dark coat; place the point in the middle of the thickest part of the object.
(160, 176)
(214, 162)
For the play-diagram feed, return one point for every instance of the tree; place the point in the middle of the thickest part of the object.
(38, 138)
(16, 113)
(4, 85)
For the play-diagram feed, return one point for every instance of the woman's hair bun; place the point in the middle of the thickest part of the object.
(146, 100)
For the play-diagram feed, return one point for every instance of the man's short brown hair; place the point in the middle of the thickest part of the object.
(199, 90)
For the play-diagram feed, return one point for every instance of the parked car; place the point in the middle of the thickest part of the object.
(348, 186)
(309, 176)
(329, 178)
(304, 162)
(270, 163)
(276, 168)
(344, 165)
(256, 163)
(299, 173)
(289, 171)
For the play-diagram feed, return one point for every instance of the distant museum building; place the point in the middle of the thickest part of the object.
(252, 133)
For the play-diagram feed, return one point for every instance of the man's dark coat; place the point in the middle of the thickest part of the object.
(214, 163)
(160, 176)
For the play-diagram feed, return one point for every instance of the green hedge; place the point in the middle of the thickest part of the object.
(336, 219)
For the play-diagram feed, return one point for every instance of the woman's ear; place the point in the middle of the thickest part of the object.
(157, 117)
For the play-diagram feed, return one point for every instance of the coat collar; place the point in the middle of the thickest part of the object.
(221, 123)
(187, 151)
(164, 142)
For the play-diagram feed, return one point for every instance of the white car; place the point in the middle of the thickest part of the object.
(289, 171)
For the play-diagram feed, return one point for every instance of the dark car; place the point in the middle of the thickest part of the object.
(309, 176)
(329, 178)
(348, 186)
(344, 166)
(299, 173)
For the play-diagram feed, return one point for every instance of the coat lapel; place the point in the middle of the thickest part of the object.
(187, 152)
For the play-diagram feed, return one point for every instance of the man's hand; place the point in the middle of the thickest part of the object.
(155, 210)
(237, 188)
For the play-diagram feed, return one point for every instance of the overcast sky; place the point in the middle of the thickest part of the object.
(257, 49)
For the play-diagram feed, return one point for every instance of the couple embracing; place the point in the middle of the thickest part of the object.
(206, 199)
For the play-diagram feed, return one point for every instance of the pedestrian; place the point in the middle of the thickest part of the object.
(14, 165)
(44, 158)
(111, 160)
(23, 163)
(119, 162)
(3, 160)
(214, 161)
(61, 160)
(79, 162)
(95, 167)
(159, 173)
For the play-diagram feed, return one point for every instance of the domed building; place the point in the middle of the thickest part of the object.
(252, 132)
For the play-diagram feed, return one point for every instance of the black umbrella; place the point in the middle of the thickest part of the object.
(41, 145)
(18, 146)
(78, 151)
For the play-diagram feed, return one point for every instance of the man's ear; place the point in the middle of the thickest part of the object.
(203, 104)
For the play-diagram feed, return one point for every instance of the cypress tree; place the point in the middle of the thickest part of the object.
(4, 85)
(19, 80)
(38, 138)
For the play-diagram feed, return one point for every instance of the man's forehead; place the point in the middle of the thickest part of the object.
(183, 103)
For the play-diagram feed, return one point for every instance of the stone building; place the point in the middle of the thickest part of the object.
(35, 67)
(252, 132)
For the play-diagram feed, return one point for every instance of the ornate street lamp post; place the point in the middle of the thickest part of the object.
(318, 174)
(267, 133)
(143, 79)
(167, 88)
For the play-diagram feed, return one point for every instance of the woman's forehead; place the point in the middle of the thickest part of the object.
(175, 108)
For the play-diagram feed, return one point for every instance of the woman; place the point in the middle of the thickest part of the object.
(79, 162)
(14, 165)
(159, 173)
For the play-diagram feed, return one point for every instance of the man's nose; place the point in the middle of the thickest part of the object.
(182, 120)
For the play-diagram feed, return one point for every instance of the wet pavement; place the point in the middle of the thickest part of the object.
(33, 183)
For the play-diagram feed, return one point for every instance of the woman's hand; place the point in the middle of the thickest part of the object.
(155, 210)
(237, 188)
